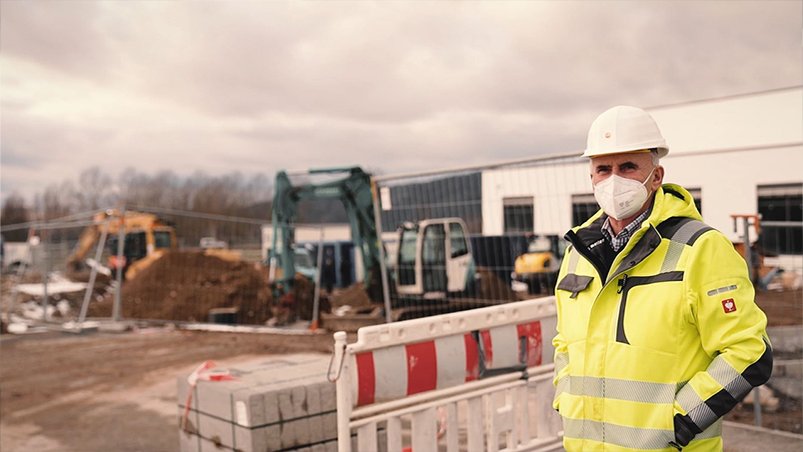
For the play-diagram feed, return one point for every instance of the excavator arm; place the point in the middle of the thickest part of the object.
(353, 190)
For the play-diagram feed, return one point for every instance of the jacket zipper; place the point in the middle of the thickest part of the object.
(621, 283)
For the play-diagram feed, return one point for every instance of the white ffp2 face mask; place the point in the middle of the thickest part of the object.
(621, 197)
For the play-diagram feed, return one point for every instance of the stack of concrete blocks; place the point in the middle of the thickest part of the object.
(280, 403)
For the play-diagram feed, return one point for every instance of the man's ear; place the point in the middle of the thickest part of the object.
(657, 178)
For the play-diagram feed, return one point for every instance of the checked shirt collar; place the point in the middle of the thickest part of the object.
(618, 242)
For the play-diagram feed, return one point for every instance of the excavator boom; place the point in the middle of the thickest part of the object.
(353, 190)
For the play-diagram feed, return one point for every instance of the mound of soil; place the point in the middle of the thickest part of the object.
(354, 296)
(185, 285)
(492, 287)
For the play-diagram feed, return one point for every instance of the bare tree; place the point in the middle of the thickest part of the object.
(14, 212)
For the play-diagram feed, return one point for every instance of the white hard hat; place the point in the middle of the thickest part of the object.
(624, 129)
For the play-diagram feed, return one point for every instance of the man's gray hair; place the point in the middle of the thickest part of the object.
(655, 158)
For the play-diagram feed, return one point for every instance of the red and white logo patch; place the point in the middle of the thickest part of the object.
(728, 305)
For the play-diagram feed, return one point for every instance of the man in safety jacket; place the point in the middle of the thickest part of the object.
(658, 333)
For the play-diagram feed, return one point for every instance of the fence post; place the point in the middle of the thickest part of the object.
(120, 257)
(91, 285)
(343, 382)
(381, 245)
(316, 299)
(46, 233)
(748, 256)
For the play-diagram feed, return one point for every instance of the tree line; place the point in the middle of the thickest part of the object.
(170, 196)
(231, 195)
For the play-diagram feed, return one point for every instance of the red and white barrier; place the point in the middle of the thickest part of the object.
(491, 362)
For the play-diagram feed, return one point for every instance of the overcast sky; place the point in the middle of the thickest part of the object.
(259, 86)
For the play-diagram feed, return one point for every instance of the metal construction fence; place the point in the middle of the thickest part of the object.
(478, 236)
(188, 267)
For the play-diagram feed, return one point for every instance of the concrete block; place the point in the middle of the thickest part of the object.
(249, 407)
(298, 397)
(215, 397)
(329, 421)
(270, 404)
(188, 442)
(328, 396)
(273, 437)
(287, 434)
(208, 445)
(315, 429)
(217, 431)
(247, 439)
(303, 434)
(273, 404)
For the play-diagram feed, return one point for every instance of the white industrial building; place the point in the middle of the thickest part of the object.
(737, 155)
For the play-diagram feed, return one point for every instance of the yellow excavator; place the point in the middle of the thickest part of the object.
(146, 239)
(538, 266)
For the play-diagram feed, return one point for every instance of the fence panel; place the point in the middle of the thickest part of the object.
(211, 270)
(476, 237)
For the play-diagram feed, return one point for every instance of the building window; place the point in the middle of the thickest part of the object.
(583, 207)
(518, 214)
(781, 210)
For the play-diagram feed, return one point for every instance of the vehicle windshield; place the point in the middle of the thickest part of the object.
(301, 258)
(161, 239)
(407, 247)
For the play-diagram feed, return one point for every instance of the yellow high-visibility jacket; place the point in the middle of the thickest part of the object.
(664, 341)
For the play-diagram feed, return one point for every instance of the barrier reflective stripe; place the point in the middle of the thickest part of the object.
(422, 367)
(402, 370)
(455, 348)
(635, 438)
(365, 374)
(472, 358)
(534, 342)
(630, 390)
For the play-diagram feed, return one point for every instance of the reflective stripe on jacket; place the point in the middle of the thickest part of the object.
(673, 329)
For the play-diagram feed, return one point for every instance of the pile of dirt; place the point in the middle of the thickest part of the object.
(185, 285)
(354, 296)
(492, 287)
(304, 295)
(783, 307)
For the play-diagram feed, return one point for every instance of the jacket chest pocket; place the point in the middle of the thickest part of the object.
(650, 310)
(574, 284)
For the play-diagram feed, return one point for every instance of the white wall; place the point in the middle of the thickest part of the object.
(756, 120)
(308, 233)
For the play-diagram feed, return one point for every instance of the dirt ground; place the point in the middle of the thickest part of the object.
(101, 392)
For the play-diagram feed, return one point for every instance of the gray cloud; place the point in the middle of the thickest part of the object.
(257, 86)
